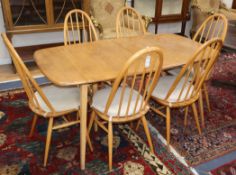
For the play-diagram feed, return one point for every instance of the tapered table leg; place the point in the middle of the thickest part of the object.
(83, 123)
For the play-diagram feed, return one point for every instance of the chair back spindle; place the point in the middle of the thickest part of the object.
(195, 71)
(128, 22)
(78, 28)
(28, 82)
(136, 81)
(215, 26)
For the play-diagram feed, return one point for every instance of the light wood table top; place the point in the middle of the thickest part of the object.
(102, 60)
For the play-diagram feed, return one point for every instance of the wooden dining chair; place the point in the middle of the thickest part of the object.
(129, 23)
(214, 26)
(124, 102)
(78, 28)
(184, 89)
(50, 102)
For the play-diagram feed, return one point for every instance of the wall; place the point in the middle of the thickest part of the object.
(39, 38)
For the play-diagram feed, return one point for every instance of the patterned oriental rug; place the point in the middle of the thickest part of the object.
(20, 154)
(219, 135)
(227, 169)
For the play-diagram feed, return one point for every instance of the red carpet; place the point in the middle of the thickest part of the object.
(227, 169)
(22, 155)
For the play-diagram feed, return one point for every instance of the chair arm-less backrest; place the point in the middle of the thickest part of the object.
(139, 76)
(78, 28)
(28, 82)
(129, 23)
(195, 71)
(215, 26)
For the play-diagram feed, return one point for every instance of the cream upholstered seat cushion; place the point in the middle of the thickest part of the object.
(100, 100)
(175, 71)
(164, 85)
(61, 98)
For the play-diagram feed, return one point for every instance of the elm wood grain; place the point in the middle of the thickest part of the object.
(87, 63)
(102, 60)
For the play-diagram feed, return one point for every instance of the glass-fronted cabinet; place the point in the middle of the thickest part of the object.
(29, 16)
(28, 12)
(163, 11)
(26, 16)
(61, 7)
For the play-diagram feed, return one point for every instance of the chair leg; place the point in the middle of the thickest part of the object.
(138, 124)
(207, 97)
(48, 141)
(131, 125)
(89, 142)
(110, 144)
(33, 125)
(186, 116)
(196, 118)
(92, 119)
(95, 126)
(168, 125)
(146, 129)
(200, 103)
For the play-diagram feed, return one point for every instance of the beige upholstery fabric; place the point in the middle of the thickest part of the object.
(201, 9)
(100, 100)
(61, 98)
(105, 11)
(109, 33)
(164, 85)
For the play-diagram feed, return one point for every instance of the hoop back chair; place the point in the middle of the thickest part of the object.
(214, 26)
(50, 102)
(184, 89)
(78, 28)
(129, 23)
(125, 102)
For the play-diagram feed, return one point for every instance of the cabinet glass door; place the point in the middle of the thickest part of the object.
(146, 7)
(28, 12)
(61, 7)
(171, 7)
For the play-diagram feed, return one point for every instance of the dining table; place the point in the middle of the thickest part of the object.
(99, 61)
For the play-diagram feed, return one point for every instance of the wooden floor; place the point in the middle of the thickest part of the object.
(7, 73)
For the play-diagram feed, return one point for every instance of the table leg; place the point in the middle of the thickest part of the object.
(83, 123)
